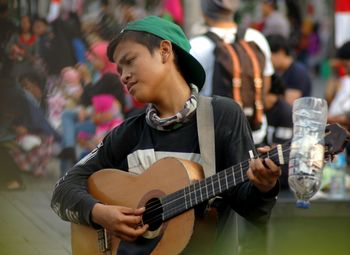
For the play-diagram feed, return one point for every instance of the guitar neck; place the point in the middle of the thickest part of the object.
(198, 192)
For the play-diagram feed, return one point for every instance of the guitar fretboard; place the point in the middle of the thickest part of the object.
(198, 192)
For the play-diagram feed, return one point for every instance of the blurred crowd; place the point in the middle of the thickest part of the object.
(60, 94)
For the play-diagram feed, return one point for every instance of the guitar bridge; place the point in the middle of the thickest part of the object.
(104, 242)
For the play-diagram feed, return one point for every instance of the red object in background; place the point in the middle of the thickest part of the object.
(341, 71)
(342, 6)
(341, 22)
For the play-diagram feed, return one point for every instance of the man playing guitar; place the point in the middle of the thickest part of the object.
(154, 63)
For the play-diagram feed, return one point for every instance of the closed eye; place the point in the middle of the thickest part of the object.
(129, 61)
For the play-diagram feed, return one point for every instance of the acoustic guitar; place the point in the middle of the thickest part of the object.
(170, 189)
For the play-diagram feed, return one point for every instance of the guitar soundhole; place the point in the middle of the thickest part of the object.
(153, 214)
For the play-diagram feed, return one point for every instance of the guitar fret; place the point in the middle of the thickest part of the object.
(195, 194)
(219, 181)
(229, 176)
(241, 172)
(189, 189)
(213, 184)
(200, 190)
(211, 190)
(184, 195)
(280, 154)
(189, 196)
(206, 189)
(233, 175)
(226, 179)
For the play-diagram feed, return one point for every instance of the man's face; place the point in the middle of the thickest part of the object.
(277, 58)
(265, 9)
(39, 28)
(25, 24)
(142, 72)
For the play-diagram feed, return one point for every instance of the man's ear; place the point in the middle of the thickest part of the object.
(166, 50)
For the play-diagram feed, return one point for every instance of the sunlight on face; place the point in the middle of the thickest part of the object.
(141, 71)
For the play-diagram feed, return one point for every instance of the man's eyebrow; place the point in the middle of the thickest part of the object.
(123, 58)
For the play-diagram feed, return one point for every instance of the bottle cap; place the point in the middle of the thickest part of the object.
(303, 204)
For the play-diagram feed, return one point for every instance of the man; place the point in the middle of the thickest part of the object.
(294, 74)
(274, 21)
(218, 16)
(154, 63)
(339, 109)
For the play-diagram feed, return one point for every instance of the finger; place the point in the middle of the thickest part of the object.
(140, 211)
(272, 167)
(250, 175)
(131, 232)
(131, 219)
(257, 166)
(131, 211)
(263, 149)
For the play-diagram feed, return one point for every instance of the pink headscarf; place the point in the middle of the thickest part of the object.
(174, 7)
(100, 50)
(103, 103)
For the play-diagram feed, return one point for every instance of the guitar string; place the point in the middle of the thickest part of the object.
(219, 179)
(155, 204)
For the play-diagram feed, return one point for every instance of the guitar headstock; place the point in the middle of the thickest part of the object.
(335, 139)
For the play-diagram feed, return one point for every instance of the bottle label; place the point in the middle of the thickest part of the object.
(306, 156)
(316, 157)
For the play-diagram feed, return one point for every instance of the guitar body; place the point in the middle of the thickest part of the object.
(116, 187)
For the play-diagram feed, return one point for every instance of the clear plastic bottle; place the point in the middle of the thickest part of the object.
(307, 148)
(337, 186)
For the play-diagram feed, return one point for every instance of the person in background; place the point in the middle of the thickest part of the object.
(23, 48)
(35, 137)
(106, 115)
(41, 29)
(8, 28)
(154, 63)
(339, 107)
(10, 113)
(80, 119)
(274, 21)
(218, 16)
(173, 10)
(293, 73)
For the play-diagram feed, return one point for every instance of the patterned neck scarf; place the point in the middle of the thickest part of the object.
(176, 121)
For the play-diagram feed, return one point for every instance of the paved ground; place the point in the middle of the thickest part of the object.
(28, 225)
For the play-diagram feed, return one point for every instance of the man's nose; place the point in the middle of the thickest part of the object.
(125, 77)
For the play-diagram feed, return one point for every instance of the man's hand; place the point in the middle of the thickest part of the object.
(263, 177)
(122, 222)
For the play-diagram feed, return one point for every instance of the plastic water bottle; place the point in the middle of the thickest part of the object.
(337, 186)
(307, 148)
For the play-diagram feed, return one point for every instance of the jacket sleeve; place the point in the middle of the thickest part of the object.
(71, 200)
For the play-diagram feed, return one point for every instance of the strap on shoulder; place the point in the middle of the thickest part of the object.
(206, 134)
(214, 37)
(240, 33)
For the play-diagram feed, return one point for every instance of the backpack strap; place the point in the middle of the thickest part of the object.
(236, 71)
(258, 81)
(214, 37)
(206, 134)
(240, 34)
(236, 67)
